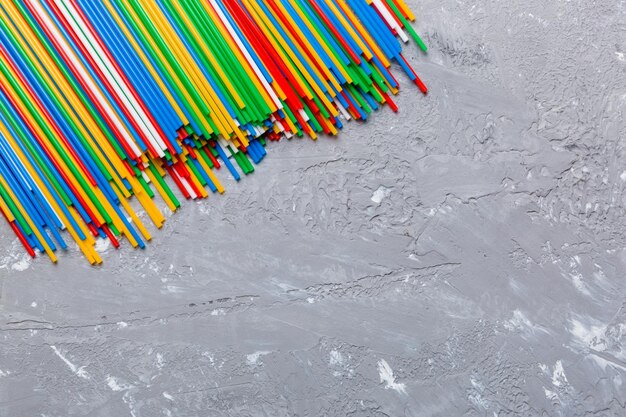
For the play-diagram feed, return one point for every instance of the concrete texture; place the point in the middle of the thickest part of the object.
(463, 258)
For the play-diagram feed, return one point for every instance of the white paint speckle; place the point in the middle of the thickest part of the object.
(168, 396)
(16, 259)
(102, 245)
(174, 289)
(386, 376)
(310, 300)
(477, 384)
(550, 395)
(78, 371)
(380, 194)
(478, 400)
(519, 322)
(116, 385)
(620, 56)
(210, 357)
(255, 358)
(336, 358)
(22, 265)
(589, 335)
(218, 312)
(33, 304)
(558, 375)
(122, 324)
(476, 394)
(160, 361)
(579, 283)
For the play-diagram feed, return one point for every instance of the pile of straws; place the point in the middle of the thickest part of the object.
(101, 100)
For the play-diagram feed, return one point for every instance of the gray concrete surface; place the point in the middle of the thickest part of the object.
(463, 258)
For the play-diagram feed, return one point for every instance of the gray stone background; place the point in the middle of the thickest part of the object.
(465, 257)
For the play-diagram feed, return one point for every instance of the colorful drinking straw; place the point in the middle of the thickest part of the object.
(101, 101)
